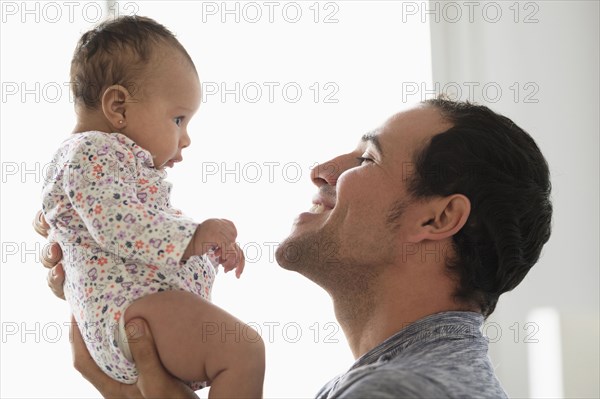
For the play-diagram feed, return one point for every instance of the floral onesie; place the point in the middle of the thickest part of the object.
(109, 209)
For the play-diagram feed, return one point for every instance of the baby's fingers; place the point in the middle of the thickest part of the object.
(231, 258)
(241, 263)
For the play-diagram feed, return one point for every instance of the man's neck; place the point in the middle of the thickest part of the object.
(370, 318)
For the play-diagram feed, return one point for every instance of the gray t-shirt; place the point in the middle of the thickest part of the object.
(440, 356)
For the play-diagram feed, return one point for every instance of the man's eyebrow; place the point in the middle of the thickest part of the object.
(373, 138)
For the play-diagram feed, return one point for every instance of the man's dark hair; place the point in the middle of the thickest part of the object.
(116, 52)
(500, 169)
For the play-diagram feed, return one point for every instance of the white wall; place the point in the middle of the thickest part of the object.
(549, 52)
(359, 60)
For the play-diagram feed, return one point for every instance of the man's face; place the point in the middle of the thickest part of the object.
(348, 235)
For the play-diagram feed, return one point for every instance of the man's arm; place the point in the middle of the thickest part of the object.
(153, 381)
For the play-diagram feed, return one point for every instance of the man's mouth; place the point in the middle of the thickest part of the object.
(324, 200)
(317, 208)
(322, 203)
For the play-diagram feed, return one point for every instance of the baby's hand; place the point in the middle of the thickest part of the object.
(218, 235)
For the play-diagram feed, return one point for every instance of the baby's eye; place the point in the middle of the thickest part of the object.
(178, 120)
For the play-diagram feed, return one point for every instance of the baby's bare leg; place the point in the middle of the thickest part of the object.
(198, 341)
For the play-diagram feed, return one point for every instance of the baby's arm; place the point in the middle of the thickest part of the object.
(218, 235)
(100, 179)
(198, 341)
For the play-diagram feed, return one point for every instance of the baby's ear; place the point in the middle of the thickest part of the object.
(113, 106)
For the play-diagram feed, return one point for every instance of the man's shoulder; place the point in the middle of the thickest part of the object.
(443, 355)
(382, 383)
(423, 374)
(399, 382)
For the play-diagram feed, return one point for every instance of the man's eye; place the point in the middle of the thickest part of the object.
(362, 160)
(178, 120)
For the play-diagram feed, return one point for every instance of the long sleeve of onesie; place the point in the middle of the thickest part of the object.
(117, 195)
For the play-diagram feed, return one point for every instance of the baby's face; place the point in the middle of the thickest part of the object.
(157, 119)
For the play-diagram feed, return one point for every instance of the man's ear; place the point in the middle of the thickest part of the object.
(442, 218)
(114, 104)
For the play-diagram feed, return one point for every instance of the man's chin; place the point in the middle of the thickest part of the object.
(307, 251)
(287, 254)
(295, 251)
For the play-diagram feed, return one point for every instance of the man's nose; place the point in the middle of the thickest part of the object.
(329, 172)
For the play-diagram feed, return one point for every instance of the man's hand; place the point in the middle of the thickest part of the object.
(51, 256)
(153, 380)
(39, 224)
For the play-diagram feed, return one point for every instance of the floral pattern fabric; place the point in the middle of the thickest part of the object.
(109, 209)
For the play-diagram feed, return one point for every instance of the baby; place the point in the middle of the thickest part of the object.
(128, 253)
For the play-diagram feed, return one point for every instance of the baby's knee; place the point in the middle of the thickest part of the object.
(253, 351)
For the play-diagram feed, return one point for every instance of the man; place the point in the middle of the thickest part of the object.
(415, 234)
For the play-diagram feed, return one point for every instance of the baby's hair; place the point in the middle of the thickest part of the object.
(116, 52)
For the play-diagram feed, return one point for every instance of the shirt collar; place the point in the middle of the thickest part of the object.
(141, 154)
(453, 324)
